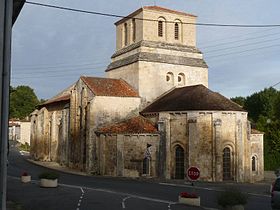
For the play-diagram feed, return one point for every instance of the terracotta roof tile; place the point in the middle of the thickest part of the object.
(133, 125)
(167, 10)
(197, 97)
(109, 87)
(56, 99)
(157, 8)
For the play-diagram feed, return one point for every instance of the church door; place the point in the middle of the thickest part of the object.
(226, 164)
(179, 163)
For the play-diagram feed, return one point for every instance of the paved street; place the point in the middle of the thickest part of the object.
(83, 192)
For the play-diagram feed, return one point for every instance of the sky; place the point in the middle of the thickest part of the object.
(52, 48)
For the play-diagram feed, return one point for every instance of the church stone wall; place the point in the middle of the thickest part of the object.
(178, 136)
(129, 73)
(120, 31)
(256, 146)
(204, 135)
(153, 83)
(187, 34)
(200, 144)
(123, 155)
(105, 109)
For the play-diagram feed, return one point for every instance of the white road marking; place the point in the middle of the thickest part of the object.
(123, 201)
(82, 190)
(81, 197)
(169, 206)
(209, 189)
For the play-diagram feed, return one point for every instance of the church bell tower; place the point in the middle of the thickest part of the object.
(156, 51)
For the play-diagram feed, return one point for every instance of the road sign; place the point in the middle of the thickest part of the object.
(193, 173)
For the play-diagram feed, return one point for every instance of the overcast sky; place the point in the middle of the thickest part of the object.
(52, 48)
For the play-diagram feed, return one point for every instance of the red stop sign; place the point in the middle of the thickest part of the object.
(193, 173)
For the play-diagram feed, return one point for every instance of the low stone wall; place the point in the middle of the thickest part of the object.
(269, 176)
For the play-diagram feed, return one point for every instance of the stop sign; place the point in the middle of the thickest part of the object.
(193, 173)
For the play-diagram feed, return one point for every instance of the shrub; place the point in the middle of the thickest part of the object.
(25, 147)
(231, 197)
(24, 173)
(48, 175)
(188, 195)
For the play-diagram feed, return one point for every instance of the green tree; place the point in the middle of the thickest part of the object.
(239, 100)
(23, 101)
(264, 111)
(261, 103)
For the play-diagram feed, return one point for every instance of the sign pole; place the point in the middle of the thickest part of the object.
(6, 10)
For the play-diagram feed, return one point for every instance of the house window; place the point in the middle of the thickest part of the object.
(176, 32)
(133, 30)
(160, 28)
(125, 35)
(254, 168)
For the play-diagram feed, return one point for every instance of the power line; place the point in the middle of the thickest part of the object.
(224, 54)
(275, 84)
(94, 69)
(242, 45)
(56, 66)
(46, 74)
(239, 40)
(204, 45)
(145, 19)
(68, 68)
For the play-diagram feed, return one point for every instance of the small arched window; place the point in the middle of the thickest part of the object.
(176, 31)
(170, 78)
(254, 164)
(181, 79)
(160, 28)
(125, 35)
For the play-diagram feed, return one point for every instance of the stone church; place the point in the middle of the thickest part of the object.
(153, 114)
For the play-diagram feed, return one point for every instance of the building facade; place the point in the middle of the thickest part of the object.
(153, 114)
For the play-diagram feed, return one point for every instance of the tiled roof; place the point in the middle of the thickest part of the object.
(254, 131)
(188, 98)
(109, 87)
(133, 125)
(162, 9)
(60, 98)
(157, 8)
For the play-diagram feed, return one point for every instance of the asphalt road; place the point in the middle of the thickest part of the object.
(87, 193)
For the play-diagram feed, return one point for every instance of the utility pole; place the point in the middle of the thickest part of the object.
(6, 12)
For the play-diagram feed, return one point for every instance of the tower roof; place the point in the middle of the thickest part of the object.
(154, 8)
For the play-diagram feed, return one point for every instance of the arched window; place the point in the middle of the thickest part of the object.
(133, 30)
(125, 35)
(226, 164)
(179, 162)
(254, 164)
(170, 78)
(160, 28)
(181, 79)
(176, 31)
